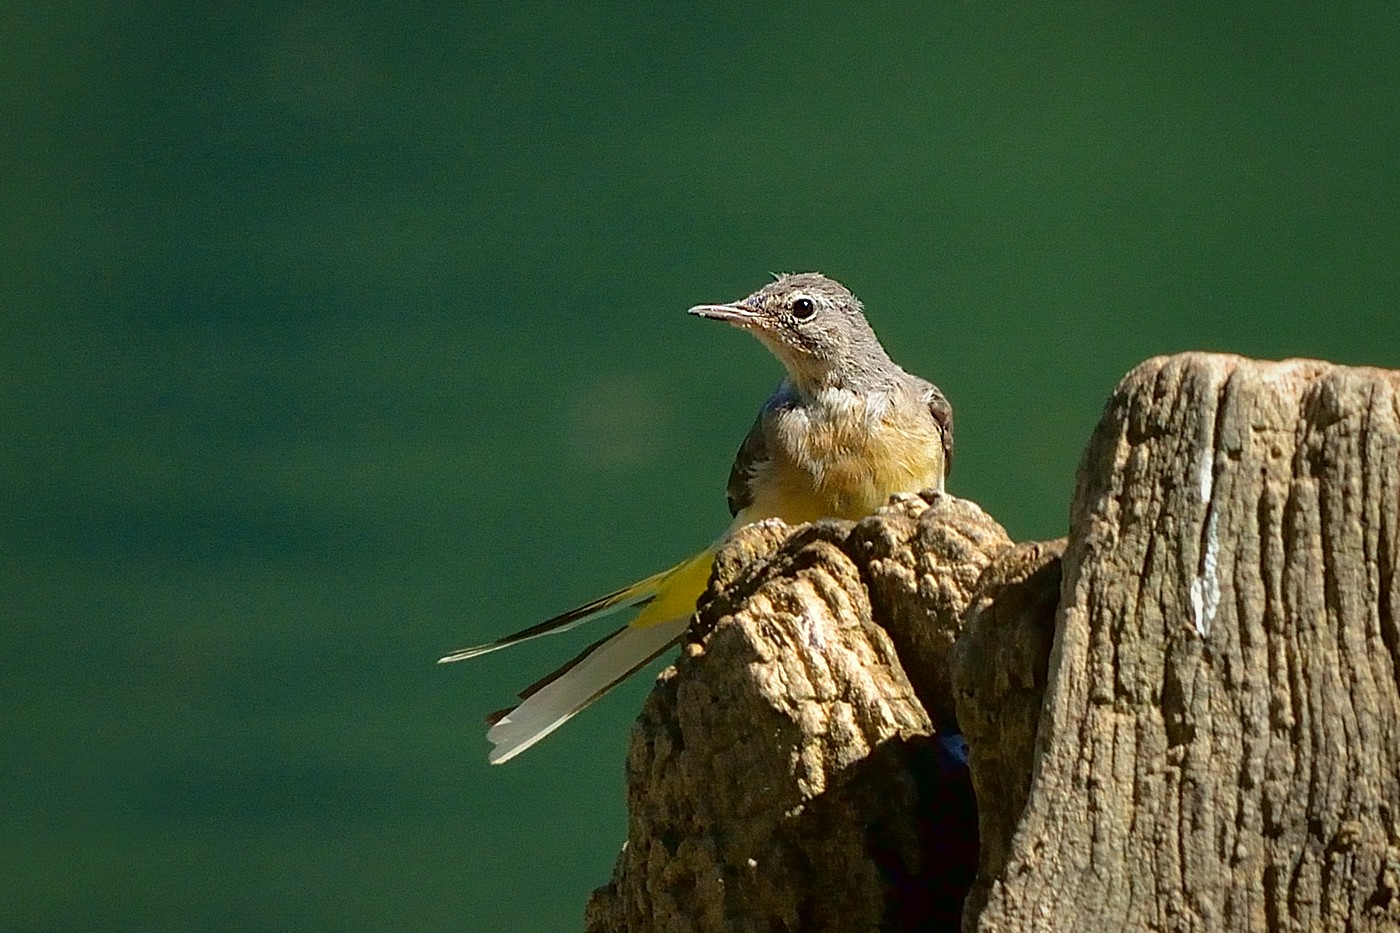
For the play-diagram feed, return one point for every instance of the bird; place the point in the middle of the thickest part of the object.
(845, 429)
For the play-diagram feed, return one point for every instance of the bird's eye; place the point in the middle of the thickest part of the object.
(803, 308)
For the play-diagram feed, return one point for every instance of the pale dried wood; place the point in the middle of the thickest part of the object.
(784, 775)
(1220, 746)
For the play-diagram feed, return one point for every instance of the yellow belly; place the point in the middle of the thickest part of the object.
(844, 466)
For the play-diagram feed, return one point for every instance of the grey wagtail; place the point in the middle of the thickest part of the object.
(845, 430)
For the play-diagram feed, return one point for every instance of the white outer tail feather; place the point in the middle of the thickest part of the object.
(555, 703)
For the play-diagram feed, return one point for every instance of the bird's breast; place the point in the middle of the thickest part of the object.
(844, 455)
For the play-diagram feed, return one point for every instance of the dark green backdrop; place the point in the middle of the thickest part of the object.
(336, 337)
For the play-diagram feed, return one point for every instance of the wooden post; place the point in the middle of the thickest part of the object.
(1186, 717)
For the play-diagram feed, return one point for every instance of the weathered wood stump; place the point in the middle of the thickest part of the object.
(1186, 717)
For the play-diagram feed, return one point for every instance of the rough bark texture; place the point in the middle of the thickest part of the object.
(1220, 743)
(784, 775)
(1186, 717)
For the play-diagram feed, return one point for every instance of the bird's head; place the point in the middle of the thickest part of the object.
(815, 327)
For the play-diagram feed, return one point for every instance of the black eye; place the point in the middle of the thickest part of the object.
(803, 308)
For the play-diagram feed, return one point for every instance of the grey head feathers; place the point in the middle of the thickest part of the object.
(816, 328)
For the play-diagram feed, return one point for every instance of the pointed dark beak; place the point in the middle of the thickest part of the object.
(738, 314)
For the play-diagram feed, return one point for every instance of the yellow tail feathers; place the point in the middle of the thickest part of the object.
(667, 600)
(676, 590)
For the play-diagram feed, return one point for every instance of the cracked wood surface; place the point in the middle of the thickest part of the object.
(1220, 745)
(785, 775)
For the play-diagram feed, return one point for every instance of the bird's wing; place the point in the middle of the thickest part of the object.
(942, 411)
(753, 452)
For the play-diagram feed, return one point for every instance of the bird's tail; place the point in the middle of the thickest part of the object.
(666, 599)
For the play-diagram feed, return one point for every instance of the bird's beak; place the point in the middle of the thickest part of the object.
(737, 313)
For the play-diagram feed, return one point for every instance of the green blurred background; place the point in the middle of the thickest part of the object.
(337, 337)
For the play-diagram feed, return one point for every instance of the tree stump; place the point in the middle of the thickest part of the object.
(1220, 743)
(1186, 717)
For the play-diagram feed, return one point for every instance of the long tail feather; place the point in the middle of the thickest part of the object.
(628, 597)
(666, 599)
(551, 702)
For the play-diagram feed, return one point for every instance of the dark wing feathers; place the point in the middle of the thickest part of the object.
(942, 411)
(752, 452)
